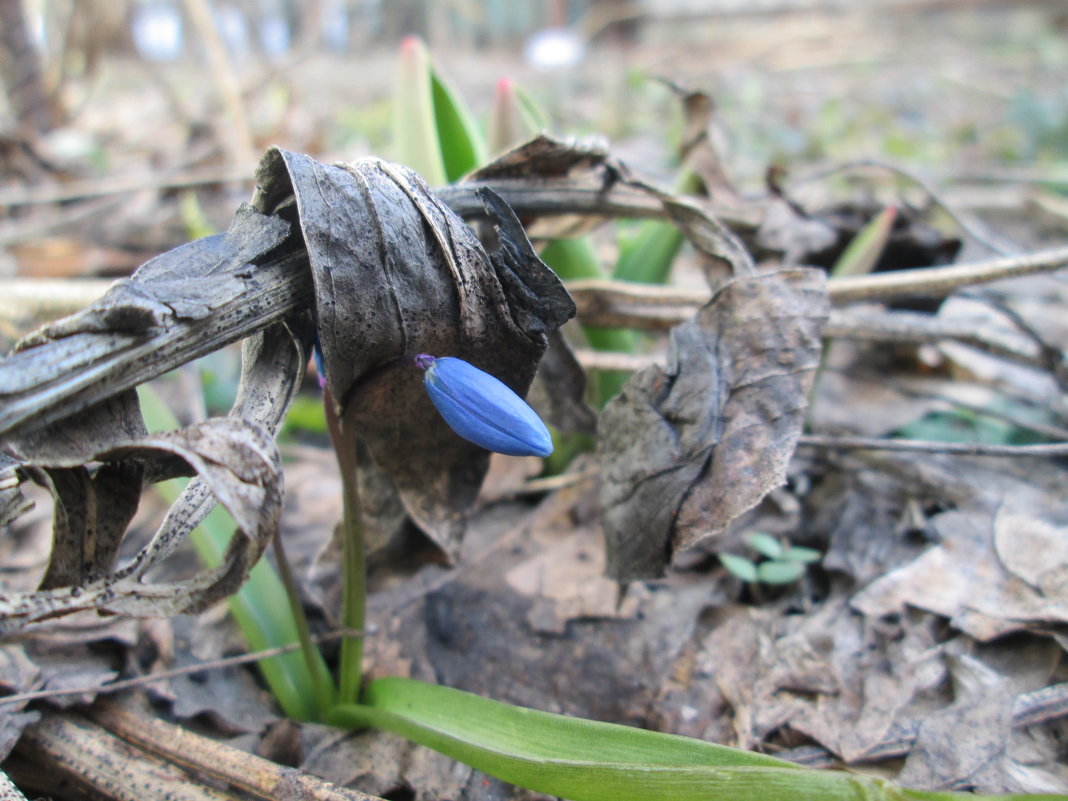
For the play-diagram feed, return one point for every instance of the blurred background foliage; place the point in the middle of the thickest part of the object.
(942, 83)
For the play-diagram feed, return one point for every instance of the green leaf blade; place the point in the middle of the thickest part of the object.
(586, 760)
(765, 544)
(415, 133)
(776, 572)
(463, 148)
(863, 251)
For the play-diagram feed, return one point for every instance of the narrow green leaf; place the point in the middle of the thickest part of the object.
(534, 116)
(586, 760)
(514, 117)
(863, 252)
(776, 572)
(260, 608)
(765, 544)
(648, 256)
(463, 147)
(415, 132)
(799, 553)
(739, 566)
(575, 258)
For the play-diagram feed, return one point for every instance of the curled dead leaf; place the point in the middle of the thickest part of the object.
(686, 449)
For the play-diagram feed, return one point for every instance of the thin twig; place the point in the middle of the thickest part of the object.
(1053, 449)
(164, 675)
(119, 185)
(969, 225)
(938, 282)
(239, 769)
(237, 135)
(619, 303)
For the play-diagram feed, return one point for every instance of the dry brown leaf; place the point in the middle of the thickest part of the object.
(567, 582)
(963, 578)
(397, 273)
(685, 450)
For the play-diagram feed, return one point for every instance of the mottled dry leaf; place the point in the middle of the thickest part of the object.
(828, 675)
(966, 746)
(686, 449)
(397, 273)
(238, 464)
(963, 578)
(566, 582)
(1034, 550)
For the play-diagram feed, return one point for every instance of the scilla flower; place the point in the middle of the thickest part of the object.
(482, 409)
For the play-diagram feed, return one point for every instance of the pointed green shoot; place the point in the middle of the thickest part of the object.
(463, 147)
(415, 133)
(574, 259)
(863, 251)
(514, 117)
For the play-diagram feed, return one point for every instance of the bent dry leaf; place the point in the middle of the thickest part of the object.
(397, 273)
(687, 449)
(237, 463)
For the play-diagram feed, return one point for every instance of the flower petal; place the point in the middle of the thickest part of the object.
(482, 409)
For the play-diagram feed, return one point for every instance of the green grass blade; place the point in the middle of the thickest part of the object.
(586, 760)
(573, 259)
(259, 608)
(514, 117)
(648, 256)
(863, 251)
(415, 132)
(534, 117)
(739, 566)
(463, 147)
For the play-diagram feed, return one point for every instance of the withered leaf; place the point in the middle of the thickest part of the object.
(965, 577)
(236, 463)
(686, 449)
(397, 273)
(178, 306)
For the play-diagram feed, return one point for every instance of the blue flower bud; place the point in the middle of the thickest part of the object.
(482, 409)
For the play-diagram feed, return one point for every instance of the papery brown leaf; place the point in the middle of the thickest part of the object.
(397, 273)
(239, 465)
(178, 306)
(686, 449)
(965, 578)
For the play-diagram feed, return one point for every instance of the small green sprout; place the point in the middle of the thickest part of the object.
(782, 563)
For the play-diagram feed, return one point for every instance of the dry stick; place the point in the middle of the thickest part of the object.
(163, 675)
(8, 790)
(936, 282)
(65, 745)
(119, 185)
(240, 769)
(971, 226)
(238, 135)
(1052, 449)
(665, 306)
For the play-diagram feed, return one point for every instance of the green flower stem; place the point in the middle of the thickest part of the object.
(353, 567)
